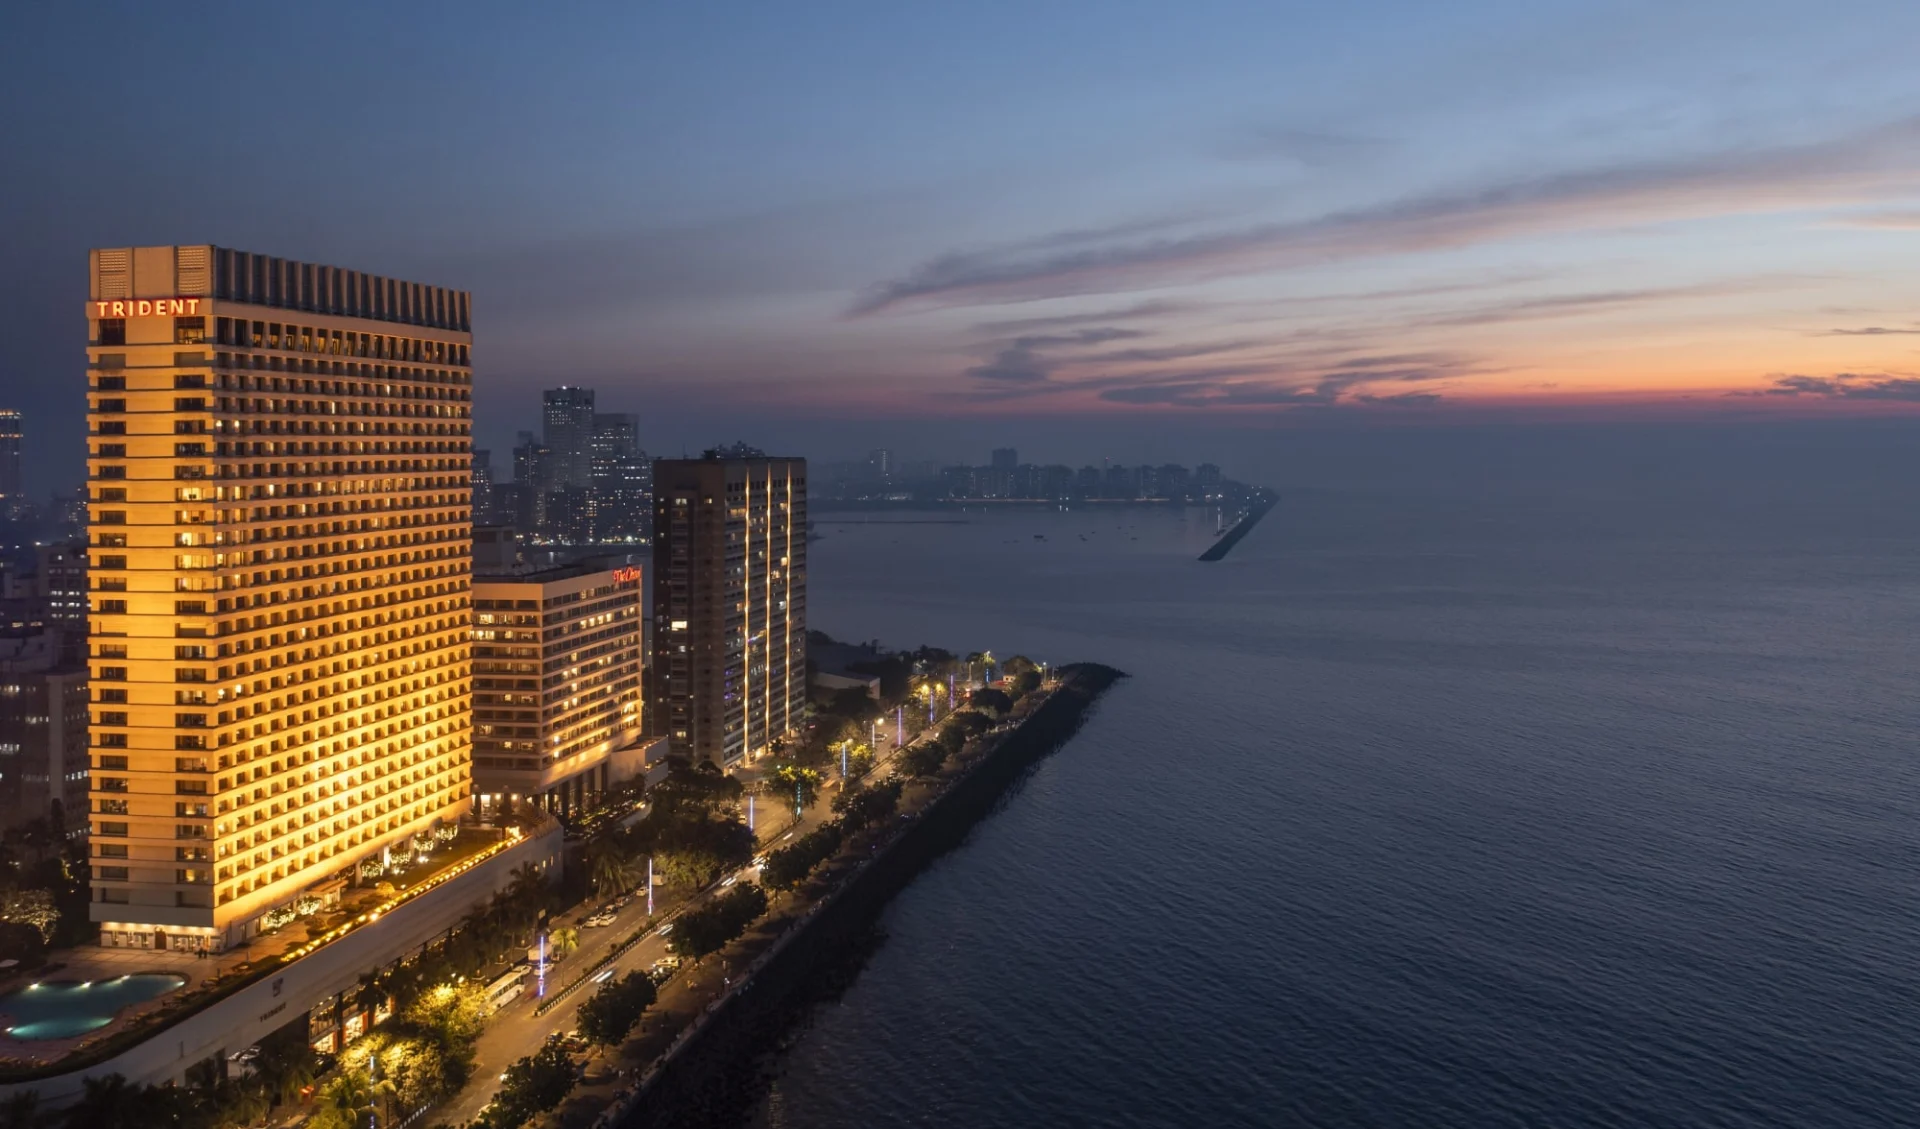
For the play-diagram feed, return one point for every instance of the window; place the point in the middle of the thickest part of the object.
(111, 384)
(113, 874)
(113, 494)
(112, 674)
(113, 451)
(113, 331)
(113, 717)
(119, 450)
(189, 450)
(189, 380)
(113, 829)
(113, 405)
(189, 331)
(190, 607)
(113, 764)
(113, 850)
(189, 403)
(113, 562)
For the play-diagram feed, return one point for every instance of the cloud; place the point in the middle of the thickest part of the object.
(1310, 147)
(1403, 399)
(1718, 183)
(1257, 386)
(1021, 361)
(1886, 221)
(1605, 301)
(1846, 386)
(1138, 312)
(1867, 331)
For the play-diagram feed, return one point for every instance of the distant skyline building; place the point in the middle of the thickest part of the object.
(567, 419)
(729, 603)
(12, 429)
(43, 732)
(1005, 458)
(281, 463)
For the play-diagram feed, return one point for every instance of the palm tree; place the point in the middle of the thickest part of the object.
(562, 941)
(108, 1103)
(610, 867)
(349, 1097)
(372, 993)
(21, 1111)
(285, 1068)
(529, 886)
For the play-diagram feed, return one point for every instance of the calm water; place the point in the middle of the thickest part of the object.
(61, 1009)
(1427, 808)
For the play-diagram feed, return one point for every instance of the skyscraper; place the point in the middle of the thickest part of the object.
(622, 496)
(567, 419)
(10, 433)
(1005, 458)
(730, 603)
(482, 486)
(281, 632)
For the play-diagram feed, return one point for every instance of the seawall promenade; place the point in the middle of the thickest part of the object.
(699, 1078)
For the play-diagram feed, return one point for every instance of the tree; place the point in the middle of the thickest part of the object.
(21, 1111)
(1026, 682)
(994, 702)
(796, 787)
(612, 1011)
(701, 788)
(529, 887)
(285, 1067)
(562, 941)
(789, 866)
(30, 907)
(533, 1085)
(923, 759)
(114, 1103)
(867, 806)
(970, 721)
(347, 1102)
(708, 929)
(694, 851)
(611, 866)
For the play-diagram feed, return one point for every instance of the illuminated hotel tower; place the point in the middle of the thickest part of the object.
(730, 604)
(281, 558)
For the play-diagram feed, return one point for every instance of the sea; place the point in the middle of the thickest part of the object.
(1528, 779)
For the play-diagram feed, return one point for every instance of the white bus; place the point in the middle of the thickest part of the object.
(506, 987)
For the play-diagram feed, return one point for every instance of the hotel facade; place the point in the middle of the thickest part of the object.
(280, 567)
(556, 681)
(729, 604)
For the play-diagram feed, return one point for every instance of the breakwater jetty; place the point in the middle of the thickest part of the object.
(1263, 502)
(700, 1080)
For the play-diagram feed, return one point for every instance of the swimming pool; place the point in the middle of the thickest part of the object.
(61, 1009)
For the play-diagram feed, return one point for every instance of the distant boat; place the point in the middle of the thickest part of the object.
(1039, 537)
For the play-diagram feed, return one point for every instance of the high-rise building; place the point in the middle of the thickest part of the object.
(556, 680)
(567, 431)
(615, 434)
(11, 430)
(1005, 458)
(729, 603)
(622, 496)
(280, 463)
(482, 486)
(43, 731)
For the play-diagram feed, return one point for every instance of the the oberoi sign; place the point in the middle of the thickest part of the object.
(147, 307)
(625, 575)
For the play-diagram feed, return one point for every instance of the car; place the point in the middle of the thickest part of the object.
(664, 930)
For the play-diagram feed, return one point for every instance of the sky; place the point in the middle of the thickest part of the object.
(1139, 230)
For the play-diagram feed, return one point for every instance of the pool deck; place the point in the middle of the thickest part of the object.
(96, 962)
